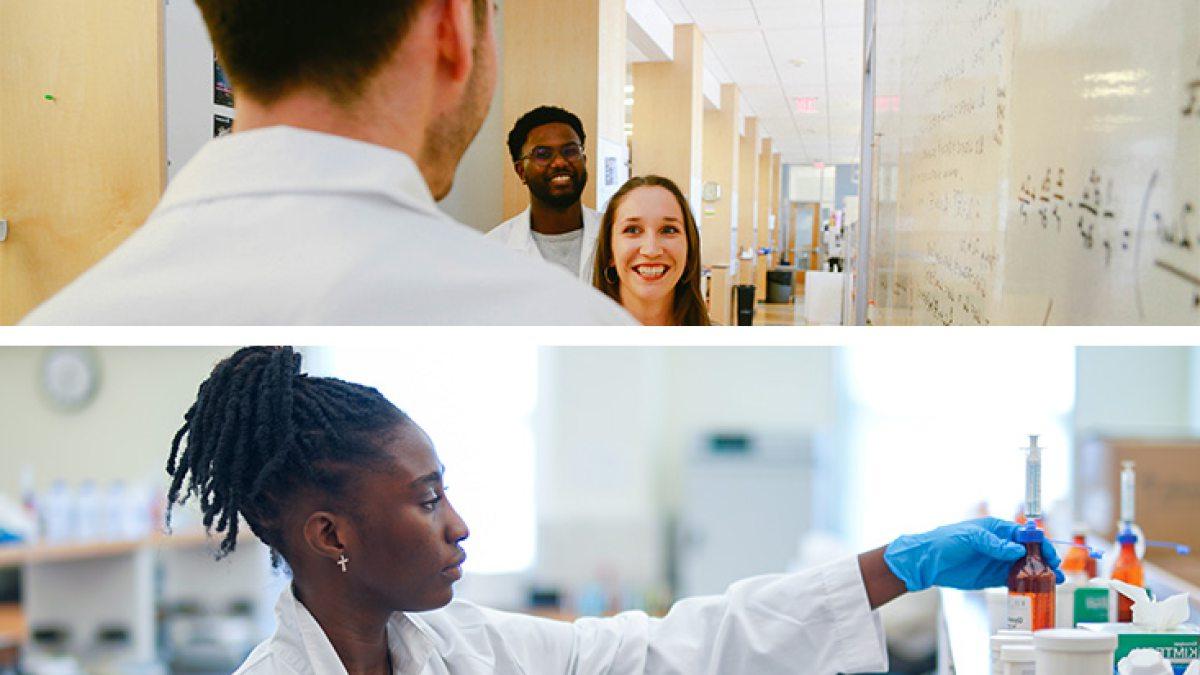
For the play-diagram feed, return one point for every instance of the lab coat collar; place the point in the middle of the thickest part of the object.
(520, 235)
(306, 648)
(285, 159)
(520, 238)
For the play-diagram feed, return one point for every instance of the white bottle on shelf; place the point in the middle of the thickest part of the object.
(56, 512)
(89, 512)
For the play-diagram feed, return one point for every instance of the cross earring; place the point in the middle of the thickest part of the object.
(342, 562)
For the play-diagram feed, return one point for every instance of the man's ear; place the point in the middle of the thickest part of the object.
(455, 37)
(519, 167)
(324, 536)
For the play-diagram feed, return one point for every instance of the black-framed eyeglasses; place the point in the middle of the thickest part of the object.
(544, 154)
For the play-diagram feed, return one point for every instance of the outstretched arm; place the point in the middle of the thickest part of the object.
(882, 584)
(970, 555)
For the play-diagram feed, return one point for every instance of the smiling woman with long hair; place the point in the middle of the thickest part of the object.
(648, 254)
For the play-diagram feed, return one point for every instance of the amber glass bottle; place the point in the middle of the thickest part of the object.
(1128, 568)
(1031, 585)
(1078, 562)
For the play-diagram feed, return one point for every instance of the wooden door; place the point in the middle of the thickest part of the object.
(82, 147)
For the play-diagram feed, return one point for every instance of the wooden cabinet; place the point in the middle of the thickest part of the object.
(82, 150)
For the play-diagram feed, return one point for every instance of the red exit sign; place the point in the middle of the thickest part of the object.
(806, 104)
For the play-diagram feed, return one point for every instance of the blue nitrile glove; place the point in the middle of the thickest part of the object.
(969, 555)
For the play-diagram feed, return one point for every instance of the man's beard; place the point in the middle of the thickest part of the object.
(563, 200)
(448, 138)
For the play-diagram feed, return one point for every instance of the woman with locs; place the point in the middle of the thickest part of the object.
(348, 490)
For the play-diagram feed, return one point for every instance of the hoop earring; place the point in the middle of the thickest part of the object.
(613, 278)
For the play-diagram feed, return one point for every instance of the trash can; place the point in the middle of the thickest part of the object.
(745, 304)
(779, 284)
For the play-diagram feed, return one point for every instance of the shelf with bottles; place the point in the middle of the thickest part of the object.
(94, 603)
(17, 554)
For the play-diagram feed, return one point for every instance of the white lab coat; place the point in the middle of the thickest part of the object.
(283, 226)
(833, 242)
(815, 622)
(516, 233)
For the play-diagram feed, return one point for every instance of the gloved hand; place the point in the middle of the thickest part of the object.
(969, 555)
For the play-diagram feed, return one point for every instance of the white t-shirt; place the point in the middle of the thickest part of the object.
(563, 249)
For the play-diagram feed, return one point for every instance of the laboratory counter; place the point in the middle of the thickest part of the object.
(963, 631)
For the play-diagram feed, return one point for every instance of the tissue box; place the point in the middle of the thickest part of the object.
(1180, 645)
(1092, 605)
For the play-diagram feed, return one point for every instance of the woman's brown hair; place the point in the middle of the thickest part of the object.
(688, 308)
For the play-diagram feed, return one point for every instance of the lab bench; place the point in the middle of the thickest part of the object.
(963, 631)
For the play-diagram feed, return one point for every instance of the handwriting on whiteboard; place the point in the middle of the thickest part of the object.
(1090, 215)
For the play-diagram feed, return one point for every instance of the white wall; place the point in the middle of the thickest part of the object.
(1194, 389)
(1144, 391)
(124, 433)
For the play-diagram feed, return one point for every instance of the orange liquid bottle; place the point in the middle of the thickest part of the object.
(1077, 562)
(1031, 585)
(1128, 568)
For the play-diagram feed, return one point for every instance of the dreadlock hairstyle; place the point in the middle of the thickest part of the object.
(260, 430)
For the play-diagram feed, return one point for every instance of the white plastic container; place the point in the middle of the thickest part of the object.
(1018, 660)
(1064, 601)
(1003, 638)
(997, 608)
(1070, 651)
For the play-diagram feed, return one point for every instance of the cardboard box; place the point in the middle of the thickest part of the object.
(1168, 494)
(1180, 646)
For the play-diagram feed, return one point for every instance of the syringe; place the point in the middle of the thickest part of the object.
(1127, 495)
(1033, 480)
(1126, 527)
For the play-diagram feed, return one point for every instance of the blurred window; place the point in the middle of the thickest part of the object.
(478, 409)
(934, 433)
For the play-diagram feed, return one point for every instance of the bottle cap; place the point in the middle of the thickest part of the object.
(1074, 640)
(1030, 534)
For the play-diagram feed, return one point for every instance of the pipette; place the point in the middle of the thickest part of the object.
(1091, 551)
(1181, 549)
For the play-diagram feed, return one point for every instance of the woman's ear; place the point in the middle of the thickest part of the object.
(324, 535)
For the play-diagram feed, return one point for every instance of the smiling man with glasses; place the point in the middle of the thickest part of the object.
(547, 149)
